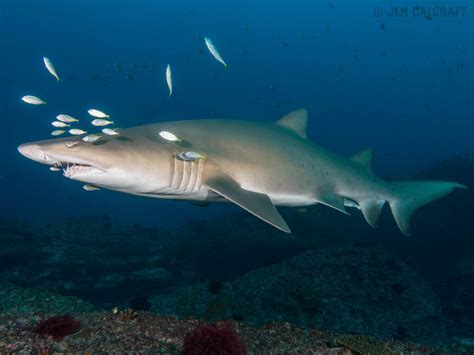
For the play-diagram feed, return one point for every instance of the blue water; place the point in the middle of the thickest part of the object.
(402, 85)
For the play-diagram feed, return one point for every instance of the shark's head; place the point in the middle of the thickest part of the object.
(136, 165)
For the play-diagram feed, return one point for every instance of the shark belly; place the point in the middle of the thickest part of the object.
(292, 200)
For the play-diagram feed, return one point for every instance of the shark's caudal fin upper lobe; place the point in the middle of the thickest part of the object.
(410, 195)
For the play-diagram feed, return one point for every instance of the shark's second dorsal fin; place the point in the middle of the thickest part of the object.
(364, 158)
(256, 203)
(295, 121)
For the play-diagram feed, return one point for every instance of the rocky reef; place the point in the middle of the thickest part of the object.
(144, 332)
(344, 289)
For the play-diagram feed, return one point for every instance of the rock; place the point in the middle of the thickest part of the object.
(460, 308)
(27, 301)
(194, 300)
(344, 289)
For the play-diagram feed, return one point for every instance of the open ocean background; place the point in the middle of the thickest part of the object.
(403, 85)
(406, 90)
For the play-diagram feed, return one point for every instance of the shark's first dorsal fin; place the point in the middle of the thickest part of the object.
(364, 158)
(295, 121)
(256, 203)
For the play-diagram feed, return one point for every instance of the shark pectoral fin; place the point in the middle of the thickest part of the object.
(258, 204)
(332, 200)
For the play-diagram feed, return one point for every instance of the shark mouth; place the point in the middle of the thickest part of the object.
(71, 170)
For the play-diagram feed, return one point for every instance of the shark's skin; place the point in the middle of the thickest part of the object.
(253, 164)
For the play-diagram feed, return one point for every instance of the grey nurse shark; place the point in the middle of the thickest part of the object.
(255, 165)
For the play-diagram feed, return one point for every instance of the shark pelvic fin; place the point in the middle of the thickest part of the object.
(332, 200)
(364, 158)
(295, 121)
(256, 203)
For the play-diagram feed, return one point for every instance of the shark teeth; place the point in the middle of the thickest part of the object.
(70, 169)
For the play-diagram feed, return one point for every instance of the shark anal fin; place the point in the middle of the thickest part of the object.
(256, 203)
(371, 209)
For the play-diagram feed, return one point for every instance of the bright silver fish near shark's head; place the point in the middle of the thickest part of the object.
(116, 163)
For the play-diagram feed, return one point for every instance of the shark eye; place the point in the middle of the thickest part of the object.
(71, 144)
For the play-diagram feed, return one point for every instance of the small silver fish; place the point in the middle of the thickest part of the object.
(168, 79)
(191, 156)
(92, 138)
(54, 168)
(77, 132)
(33, 100)
(100, 122)
(49, 65)
(66, 118)
(57, 132)
(97, 113)
(215, 53)
(110, 131)
(59, 124)
(90, 188)
(169, 136)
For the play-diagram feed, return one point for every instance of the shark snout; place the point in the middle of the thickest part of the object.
(33, 151)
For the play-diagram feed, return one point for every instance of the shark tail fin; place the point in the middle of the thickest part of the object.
(408, 196)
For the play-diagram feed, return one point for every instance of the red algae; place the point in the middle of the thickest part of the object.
(210, 339)
(58, 326)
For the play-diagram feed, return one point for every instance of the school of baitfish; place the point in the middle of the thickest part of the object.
(101, 119)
